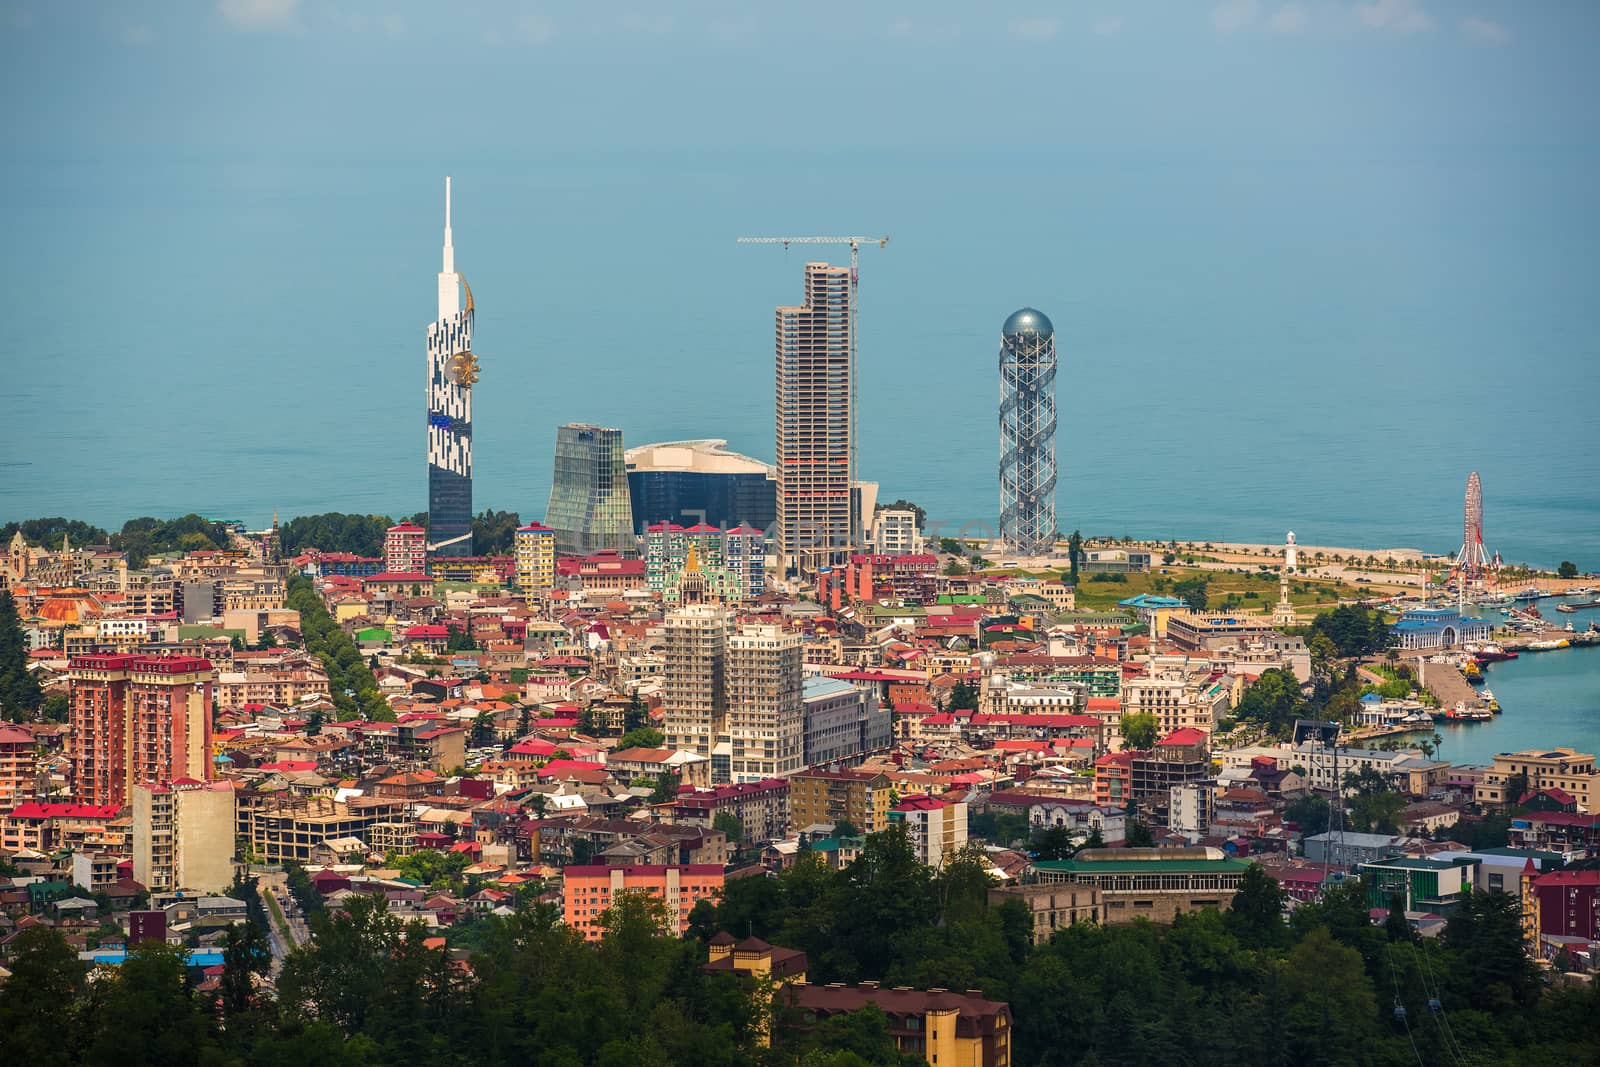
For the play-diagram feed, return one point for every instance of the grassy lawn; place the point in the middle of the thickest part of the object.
(1304, 593)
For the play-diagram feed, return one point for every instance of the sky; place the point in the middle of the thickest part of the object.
(264, 76)
(1327, 234)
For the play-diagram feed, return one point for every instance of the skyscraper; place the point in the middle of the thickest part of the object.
(1028, 433)
(452, 370)
(814, 456)
(589, 505)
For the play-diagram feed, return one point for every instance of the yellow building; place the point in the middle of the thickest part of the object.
(1516, 773)
(535, 548)
(858, 797)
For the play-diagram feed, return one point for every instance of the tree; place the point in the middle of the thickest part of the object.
(1568, 569)
(1331, 1004)
(39, 1010)
(1274, 700)
(1074, 550)
(1139, 730)
(636, 714)
(642, 737)
(963, 697)
(461, 641)
(1354, 630)
(666, 789)
(1139, 835)
(148, 1015)
(493, 532)
(19, 689)
(1256, 917)
(1053, 843)
(1193, 590)
(728, 823)
(245, 955)
(1310, 812)
(56, 708)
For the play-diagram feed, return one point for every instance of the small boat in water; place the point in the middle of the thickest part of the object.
(1566, 609)
(1487, 696)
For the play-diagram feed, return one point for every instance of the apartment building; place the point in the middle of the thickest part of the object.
(183, 835)
(1178, 699)
(694, 699)
(936, 828)
(1156, 884)
(825, 797)
(17, 765)
(138, 719)
(762, 808)
(766, 715)
(587, 891)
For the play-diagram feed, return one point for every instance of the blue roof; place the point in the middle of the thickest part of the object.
(1150, 600)
(821, 686)
(114, 957)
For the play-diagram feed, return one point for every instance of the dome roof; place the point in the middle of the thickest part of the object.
(1027, 320)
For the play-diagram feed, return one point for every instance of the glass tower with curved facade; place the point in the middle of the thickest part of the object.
(1028, 433)
(590, 509)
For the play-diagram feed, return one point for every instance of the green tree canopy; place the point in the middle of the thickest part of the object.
(1139, 730)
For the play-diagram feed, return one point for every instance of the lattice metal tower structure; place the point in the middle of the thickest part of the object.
(1028, 433)
(1474, 567)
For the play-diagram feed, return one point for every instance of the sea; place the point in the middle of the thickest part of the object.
(1246, 345)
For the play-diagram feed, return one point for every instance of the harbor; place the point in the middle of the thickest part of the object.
(1544, 680)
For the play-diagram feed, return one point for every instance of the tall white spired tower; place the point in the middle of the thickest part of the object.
(1283, 614)
(452, 370)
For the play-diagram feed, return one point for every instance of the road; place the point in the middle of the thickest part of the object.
(274, 888)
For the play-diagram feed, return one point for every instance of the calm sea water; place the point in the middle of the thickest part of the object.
(1548, 699)
(1246, 346)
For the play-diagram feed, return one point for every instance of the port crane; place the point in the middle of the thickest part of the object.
(855, 244)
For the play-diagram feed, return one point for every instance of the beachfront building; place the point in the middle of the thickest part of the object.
(589, 506)
(815, 423)
(452, 370)
(699, 481)
(1423, 628)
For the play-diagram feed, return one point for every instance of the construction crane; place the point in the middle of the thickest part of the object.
(855, 244)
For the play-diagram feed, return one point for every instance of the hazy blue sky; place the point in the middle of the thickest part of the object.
(1309, 262)
(342, 76)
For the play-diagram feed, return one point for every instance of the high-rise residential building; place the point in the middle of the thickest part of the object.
(183, 835)
(686, 482)
(452, 370)
(138, 719)
(405, 549)
(1028, 433)
(589, 506)
(693, 676)
(766, 715)
(535, 549)
(815, 461)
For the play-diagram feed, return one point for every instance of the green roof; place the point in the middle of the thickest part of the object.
(373, 633)
(1406, 863)
(1151, 866)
